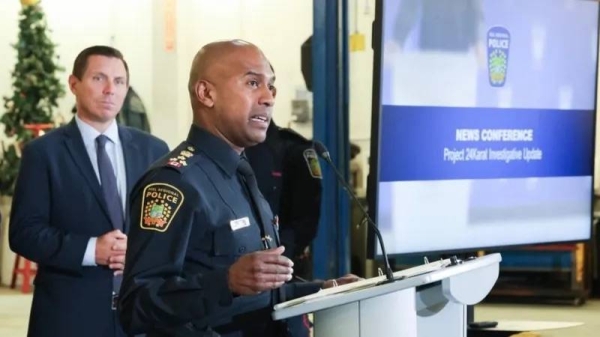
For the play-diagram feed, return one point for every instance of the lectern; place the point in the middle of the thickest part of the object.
(426, 301)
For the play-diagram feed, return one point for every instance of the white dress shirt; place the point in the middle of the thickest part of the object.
(114, 150)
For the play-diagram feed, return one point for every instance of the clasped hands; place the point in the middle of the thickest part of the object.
(110, 250)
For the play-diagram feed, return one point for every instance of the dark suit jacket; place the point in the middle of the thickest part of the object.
(57, 206)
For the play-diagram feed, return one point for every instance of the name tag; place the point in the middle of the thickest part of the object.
(239, 223)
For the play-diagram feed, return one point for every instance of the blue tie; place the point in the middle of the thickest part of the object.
(109, 184)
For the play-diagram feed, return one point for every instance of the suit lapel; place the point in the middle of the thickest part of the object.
(76, 148)
(133, 163)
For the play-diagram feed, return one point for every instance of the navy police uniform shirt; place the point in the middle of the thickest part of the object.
(191, 219)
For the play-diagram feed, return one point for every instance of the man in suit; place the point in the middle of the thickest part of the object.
(70, 200)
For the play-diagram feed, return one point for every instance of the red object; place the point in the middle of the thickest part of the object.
(37, 128)
(28, 272)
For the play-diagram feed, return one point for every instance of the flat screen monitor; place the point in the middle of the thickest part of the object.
(483, 123)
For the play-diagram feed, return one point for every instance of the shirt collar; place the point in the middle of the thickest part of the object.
(89, 134)
(215, 148)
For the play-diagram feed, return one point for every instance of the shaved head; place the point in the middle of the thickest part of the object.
(211, 61)
(231, 88)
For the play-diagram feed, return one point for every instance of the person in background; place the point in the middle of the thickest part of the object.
(289, 176)
(68, 210)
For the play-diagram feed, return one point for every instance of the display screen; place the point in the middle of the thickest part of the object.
(483, 123)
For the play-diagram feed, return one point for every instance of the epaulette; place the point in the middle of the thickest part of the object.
(290, 134)
(180, 158)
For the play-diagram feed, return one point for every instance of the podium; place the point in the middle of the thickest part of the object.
(426, 301)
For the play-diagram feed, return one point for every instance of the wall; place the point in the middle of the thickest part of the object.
(361, 16)
(136, 27)
(78, 24)
(277, 27)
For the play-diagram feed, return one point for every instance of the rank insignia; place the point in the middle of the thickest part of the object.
(312, 160)
(160, 203)
(181, 159)
(175, 162)
(186, 154)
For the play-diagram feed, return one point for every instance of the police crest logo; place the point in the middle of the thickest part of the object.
(498, 41)
(160, 204)
(312, 160)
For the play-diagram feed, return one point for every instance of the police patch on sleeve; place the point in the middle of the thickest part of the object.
(160, 203)
(312, 160)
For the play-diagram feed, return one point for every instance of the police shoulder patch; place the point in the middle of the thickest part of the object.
(312, 160)
(160, 203)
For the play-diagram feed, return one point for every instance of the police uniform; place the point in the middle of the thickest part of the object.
(192, 217)
(289, 176)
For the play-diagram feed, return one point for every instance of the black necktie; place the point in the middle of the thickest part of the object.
(108, 182)
(247, 173)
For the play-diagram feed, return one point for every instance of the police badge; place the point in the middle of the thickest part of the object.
(160, 204)
(312, 160)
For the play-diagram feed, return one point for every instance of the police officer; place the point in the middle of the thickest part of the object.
(204, 256)
(289, 176)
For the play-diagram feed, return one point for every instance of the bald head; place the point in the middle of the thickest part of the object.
(232, 92)
(214, 61)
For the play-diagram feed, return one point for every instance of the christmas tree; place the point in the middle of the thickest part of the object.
(36, 89)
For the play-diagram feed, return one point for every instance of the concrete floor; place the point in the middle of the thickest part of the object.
(14, 313)
(587, 314)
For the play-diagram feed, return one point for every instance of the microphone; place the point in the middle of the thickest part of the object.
(324, 153)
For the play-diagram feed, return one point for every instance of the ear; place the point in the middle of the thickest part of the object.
(72, 82)
(205, 93)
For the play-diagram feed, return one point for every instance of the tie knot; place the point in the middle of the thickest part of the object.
(101, 141)
(244, 167)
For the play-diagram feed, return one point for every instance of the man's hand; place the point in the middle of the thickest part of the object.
(110, 250)
(117, 263)
(260, 271)
(348, 278)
